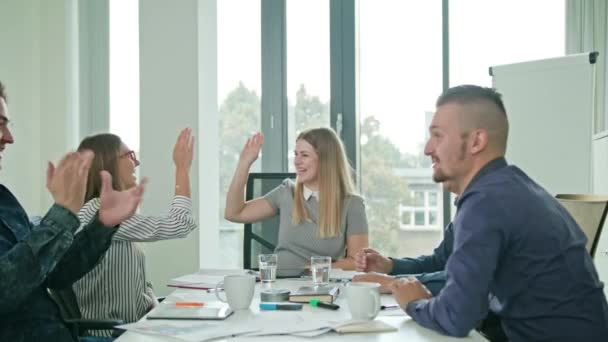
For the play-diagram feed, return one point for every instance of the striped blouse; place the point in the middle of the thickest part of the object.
(118, 288)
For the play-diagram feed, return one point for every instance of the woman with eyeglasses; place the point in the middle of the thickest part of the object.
(117, 288)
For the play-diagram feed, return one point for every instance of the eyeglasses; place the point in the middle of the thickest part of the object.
(131, 155)
(5, 123)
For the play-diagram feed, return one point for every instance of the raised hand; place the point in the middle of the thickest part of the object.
(183, 152)
(117, 206)
(369, 260)
(251, 150)
(67, 182)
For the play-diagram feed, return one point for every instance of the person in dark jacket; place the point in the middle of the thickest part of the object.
(49, 254)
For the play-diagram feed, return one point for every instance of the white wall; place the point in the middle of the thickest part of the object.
(38, 69)
(39, 66)
(168, 102)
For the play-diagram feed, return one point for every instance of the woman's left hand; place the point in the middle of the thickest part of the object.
(183, 152)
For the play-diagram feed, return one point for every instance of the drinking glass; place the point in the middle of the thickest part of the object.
(320, 267)
(268, 267)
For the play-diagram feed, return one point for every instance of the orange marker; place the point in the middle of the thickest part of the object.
(189, 304)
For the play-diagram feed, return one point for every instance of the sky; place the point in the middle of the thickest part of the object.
(399, 53)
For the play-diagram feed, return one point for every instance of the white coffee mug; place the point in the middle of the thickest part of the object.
(239, 290)
(363, 300)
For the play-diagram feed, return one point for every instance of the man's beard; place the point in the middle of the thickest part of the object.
(439, 176)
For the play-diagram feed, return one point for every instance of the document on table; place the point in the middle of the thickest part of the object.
(188, 331)
(204, 278)
(306, 324)
(292, 323)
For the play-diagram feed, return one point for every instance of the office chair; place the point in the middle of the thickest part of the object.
(70, 312)
(589, 211)
(264, 233)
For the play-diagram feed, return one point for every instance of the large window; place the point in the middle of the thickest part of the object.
(400, 73)
(307, 68)
(473, 50)
(400, 77)
(239, 96)
(484, 33)
(124, 71)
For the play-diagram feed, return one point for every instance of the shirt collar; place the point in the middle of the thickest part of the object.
(308, 193)
(493, 165)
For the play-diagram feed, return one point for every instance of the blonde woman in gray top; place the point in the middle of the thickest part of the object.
(320, 213)
(118, 288)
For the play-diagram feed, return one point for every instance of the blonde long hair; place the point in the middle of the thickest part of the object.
(335, 182)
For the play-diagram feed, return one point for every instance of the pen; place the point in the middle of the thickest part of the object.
(189, 304)
(389, 307)
(280, 306)
(324, 305)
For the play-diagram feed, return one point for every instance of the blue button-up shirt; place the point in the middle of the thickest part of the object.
(518, 253)
(430, 269)
(34, 258)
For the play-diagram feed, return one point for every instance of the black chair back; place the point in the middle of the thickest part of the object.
(71, 315)
(261, 237)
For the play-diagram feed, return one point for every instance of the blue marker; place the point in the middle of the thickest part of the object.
(280, 306)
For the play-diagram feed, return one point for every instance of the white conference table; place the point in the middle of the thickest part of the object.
(408, 330)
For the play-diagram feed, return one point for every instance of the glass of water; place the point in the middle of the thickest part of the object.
(319, 267)
(268, 267)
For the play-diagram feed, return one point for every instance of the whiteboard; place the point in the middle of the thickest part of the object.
(550, 106)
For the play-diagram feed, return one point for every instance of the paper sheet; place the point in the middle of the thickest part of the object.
(190, 332)
(204, 278)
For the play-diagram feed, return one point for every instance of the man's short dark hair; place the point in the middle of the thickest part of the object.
(468, 94)
(2, 91)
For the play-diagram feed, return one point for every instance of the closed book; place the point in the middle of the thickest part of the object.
(323, 293)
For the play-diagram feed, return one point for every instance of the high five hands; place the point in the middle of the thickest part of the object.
(251, 150)
(183, 152)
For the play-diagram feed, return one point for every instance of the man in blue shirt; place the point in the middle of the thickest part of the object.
(49, 254)
(516, 252)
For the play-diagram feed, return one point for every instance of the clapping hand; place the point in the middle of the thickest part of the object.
(251, 150)
(67, 182)
(117, 206)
